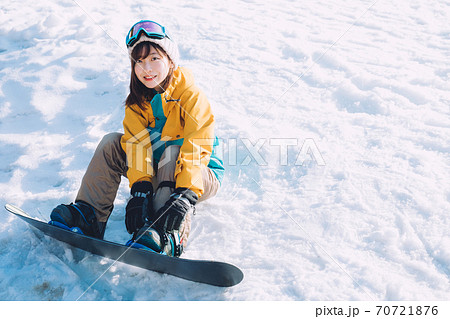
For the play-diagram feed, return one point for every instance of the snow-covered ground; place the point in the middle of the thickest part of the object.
(336, 128)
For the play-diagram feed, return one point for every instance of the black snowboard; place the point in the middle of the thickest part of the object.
(203, 271)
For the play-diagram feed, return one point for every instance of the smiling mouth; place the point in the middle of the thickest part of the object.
(149, 78)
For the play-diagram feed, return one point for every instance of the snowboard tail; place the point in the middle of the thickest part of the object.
(208, 272)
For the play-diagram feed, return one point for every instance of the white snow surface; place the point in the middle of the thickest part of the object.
(335, 121)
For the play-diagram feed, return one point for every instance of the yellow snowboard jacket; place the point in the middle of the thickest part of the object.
(181, 115)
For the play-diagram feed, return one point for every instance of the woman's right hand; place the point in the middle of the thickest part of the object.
(138, 206)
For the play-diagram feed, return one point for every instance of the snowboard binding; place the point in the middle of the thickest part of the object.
(149, 238)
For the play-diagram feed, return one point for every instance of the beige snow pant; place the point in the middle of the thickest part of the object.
(103, 175)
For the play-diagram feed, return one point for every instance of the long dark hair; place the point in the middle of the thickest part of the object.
(139, 93)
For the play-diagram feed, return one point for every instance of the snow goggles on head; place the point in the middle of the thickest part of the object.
(150, 28)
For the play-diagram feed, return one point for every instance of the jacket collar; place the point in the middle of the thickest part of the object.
(169, 95)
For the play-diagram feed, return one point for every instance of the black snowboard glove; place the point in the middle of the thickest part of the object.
(172, 214)
(139, 207)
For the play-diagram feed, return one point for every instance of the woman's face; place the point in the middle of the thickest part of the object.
(153, 69)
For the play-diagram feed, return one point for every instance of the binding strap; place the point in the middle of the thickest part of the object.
(166, 184)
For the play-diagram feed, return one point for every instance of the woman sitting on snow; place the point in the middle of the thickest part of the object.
(168, 152)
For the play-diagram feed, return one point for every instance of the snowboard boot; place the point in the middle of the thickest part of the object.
(78, 217)
(167, 244)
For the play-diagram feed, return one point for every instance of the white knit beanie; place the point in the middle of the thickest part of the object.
(169, 46)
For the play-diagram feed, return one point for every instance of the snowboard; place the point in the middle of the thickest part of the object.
(204, 271)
